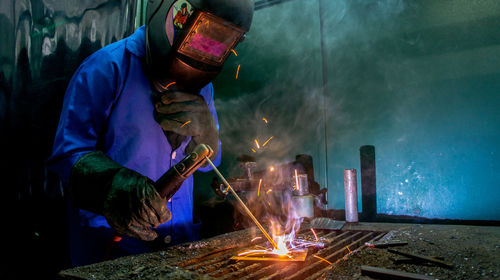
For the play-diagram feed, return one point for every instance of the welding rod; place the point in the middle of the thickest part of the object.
(242, 204)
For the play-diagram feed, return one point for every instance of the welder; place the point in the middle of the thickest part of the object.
(133, 110)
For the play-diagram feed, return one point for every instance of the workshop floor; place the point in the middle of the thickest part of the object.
(473, 251)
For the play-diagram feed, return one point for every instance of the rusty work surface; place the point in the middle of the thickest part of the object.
(211, 258)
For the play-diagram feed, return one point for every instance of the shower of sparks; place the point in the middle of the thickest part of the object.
(236, 54)
(258, 190)
(318, 257)
(258, 237)
(315, 236)
(257, 143)
(297, 180)
(263, 145)
(185, 123)
(238, 71)
(264, 119)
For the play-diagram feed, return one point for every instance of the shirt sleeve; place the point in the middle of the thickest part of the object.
(208, 94)
(86, 107)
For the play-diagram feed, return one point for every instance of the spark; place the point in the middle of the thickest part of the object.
(348, 249)
(185, 123)
(236, 54)
(297, 180)
(264, 119)
(238, 71)
(254, 151)
(258, 190)
(322, 259)
(271, 168)
(267, 141)
(258, 237)
(269, 190)
(169, 84)
(315, 236)
(252, 252)
(257, 143)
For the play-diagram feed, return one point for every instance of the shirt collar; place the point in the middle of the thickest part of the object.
(136, 43)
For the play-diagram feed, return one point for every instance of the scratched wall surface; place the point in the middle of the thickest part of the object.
(42, 43)
(419, 80)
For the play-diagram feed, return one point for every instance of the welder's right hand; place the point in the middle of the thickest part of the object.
(127, 199)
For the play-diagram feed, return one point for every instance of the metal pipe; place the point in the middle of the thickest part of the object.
(243, 204)
(368, 183)
(351, 196)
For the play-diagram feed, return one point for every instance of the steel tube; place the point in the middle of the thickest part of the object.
(351, 196)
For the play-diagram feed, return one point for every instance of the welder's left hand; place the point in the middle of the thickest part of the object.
(187, 114)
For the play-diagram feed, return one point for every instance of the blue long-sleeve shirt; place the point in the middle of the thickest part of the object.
(108, 107)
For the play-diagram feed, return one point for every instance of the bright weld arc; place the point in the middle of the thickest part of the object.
(267, 141)
(185, 123)
(323, 259)
(238, 71)
(315, 236)
(258, 190)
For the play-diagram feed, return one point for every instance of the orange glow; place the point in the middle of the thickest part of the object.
(185, 123)
(318, 257)
(238, 71)
(117, 238)
(166, 87)
(257, 143)
(258, 190)
(297, 180)
(267, 141)
(315, 236)
(271, 168)
(234, 52)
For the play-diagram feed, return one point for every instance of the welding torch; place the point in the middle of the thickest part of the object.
(171, 181)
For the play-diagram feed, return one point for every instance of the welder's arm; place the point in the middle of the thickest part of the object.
(96, 183)
(128, 200)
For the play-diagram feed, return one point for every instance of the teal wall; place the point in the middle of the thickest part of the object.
(419, 80)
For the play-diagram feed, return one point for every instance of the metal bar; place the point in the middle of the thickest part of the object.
(420, 257)
(384, 273)
(249, 213)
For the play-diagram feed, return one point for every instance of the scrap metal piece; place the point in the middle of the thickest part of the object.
(327, 223)
(422, 258)
(383, 273)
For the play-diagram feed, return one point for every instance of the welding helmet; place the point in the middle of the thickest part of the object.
(187, 41)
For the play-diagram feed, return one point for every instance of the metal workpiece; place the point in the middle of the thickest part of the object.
(351, 196)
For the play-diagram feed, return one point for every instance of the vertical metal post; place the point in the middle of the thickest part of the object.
(368, 183)
(323, 72)
(351, 196)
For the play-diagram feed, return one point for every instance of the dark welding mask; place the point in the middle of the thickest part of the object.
(187, 42)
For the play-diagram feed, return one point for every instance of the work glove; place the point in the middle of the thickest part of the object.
(127, 199)
(187, 114)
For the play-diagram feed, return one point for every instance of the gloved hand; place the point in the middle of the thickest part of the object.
(187, 114)
(128, 200)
